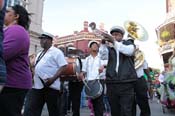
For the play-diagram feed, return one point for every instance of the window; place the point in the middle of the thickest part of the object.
(13, 2)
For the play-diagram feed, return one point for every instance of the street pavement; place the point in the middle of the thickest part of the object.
(156, 110)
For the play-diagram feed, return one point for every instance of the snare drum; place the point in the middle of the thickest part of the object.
(93, 88)
(74, 66)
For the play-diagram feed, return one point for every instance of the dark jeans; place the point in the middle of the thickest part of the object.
(98, 106)
(106, 103)
(11, 101)
(36, 99)
(75, 89)
(141, 90)
(121, 98)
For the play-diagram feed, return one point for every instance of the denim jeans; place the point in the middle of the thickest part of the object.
(106, 103)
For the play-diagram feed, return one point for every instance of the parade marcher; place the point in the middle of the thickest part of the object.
(120, 71)
(106, 103)
(75, 89)
(83, 99)
(92, 66)
(2, 62)
(150, 80)
(90, 106)
(63, 102)
(49, 64)
(16, 50)
(141, 90)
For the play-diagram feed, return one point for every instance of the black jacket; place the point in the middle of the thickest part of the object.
(126, 70)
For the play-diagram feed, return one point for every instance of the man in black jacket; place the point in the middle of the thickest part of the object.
(120, 72)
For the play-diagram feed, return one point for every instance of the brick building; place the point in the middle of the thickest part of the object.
(77, 40)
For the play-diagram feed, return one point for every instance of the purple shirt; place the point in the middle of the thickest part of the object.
(16, 49)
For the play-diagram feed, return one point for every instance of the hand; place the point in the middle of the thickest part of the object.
(80, 76)
(110, 44)
(100, 70)
(107, 37)
(49, 81)
(103, 41)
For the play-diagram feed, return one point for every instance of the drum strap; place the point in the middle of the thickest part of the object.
(38, 59)
(40, 56)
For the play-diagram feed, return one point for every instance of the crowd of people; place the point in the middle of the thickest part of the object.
(108, 75)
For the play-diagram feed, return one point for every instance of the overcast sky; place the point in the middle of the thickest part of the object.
(62, 17)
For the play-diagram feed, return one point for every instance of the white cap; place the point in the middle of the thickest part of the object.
(117, 29)
(90, 42)
(45, 34)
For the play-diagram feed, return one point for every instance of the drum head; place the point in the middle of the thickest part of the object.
(73, 68)
(94, 89)
(78, 65)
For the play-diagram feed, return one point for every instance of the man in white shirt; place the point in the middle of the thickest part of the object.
(92, 67)
(141, 90)
(49, 64)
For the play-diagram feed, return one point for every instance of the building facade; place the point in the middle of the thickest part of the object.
(77, 40)
(166, 32)
(35, 8)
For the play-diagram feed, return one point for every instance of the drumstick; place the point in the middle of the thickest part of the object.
(86, 84)
(84, 81)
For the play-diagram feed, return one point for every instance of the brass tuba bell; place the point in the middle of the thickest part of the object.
(139, 58)
(136, 31)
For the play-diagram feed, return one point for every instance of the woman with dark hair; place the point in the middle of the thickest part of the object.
(16, 50)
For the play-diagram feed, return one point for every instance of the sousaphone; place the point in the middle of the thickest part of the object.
(139, 58)
(137, 32)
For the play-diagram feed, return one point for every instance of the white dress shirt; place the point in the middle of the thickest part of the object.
(91, 66)
(48, 66)
(140, 70)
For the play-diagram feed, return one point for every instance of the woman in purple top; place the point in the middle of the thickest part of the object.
(16, 49)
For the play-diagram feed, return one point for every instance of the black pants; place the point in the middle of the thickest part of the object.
(98, 106)
(121, 98)
(142, 97)
(36, 99)
(75, 89)
(11, 101)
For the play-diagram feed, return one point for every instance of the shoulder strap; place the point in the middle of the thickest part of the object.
(40, 57)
